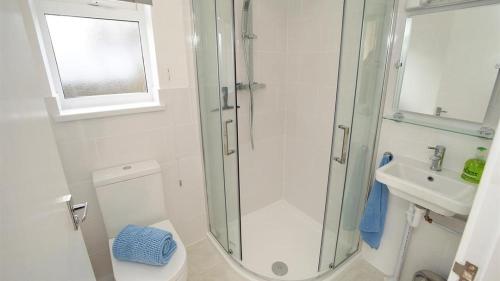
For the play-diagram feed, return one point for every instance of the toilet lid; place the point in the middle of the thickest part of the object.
(129, 271)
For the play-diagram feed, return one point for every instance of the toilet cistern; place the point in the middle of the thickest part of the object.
(437, 158)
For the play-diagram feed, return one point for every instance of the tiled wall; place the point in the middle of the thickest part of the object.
(170, 137)
(296, 55)
(261, 170)
(313, 50)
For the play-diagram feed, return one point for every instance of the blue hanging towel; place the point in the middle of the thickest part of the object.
(373, 220)
(147, 245)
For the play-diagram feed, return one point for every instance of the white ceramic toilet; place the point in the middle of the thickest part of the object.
(133, 194)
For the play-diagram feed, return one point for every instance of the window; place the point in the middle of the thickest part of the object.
(98, 56)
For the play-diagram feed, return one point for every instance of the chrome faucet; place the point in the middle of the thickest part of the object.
(437, 158)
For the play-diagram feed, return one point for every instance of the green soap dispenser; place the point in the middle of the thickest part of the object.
(473, 168)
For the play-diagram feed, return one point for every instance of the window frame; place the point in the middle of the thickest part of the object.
(120, 11)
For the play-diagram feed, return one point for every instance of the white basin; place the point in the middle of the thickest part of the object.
(443, 192)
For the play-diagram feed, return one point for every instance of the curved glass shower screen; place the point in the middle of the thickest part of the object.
(290, 94)
(216, 87)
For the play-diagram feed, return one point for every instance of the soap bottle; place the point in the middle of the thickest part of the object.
(473, 168)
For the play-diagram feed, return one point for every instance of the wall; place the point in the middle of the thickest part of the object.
(294, 113)
(431, 247)
(261, 169)
(170, 137)
(313, 50)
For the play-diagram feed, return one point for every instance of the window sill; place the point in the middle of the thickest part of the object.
(99, 112)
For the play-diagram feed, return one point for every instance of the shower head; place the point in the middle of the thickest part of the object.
(246, 5)
(246, 31)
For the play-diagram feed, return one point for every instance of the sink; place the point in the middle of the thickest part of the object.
(442, 192)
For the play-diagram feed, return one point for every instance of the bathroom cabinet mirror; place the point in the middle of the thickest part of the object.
(450, 61)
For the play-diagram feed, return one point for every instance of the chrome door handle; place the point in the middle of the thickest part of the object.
(227, 151)
(74, 208)
(342, 159)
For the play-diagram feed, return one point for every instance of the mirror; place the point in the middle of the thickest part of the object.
(450, 63)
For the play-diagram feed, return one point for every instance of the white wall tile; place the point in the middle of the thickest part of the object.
(187, 142)
(191, 230)
(182, 106)
(268, 66)
(114, 151)
(191, 173)
(171, 34)
(188, 200)
(170, 171)
(124, 125)
(66, 131)
(309, 98)
(292, 117)
(261, 178)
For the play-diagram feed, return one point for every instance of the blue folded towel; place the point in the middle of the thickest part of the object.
(146, 245)
(373, 220)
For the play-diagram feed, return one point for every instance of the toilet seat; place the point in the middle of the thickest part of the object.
(175, 270)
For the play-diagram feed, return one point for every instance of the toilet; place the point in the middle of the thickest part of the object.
(133, 194)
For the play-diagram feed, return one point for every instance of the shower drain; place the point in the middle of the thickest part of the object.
(280, 268)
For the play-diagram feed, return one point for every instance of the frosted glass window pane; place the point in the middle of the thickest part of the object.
(97, 56)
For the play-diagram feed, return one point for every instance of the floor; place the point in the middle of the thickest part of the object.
(206, 264)
(281, 232)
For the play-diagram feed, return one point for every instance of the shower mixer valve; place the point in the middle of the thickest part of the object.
(245, 86)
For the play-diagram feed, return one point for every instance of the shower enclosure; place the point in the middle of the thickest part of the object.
(290, 94)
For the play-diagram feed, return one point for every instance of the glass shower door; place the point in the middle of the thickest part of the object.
(361, 75)
(216, 88)
(344, 108)
(227, 80)
(369, 83)
(357, 105)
